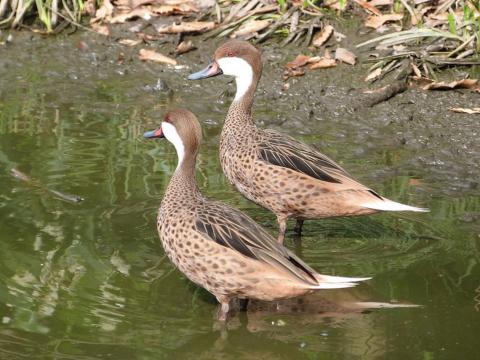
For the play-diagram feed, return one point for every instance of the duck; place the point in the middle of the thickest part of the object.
(217, 246)
(291, 179)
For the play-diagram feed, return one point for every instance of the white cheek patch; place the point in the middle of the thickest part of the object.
(243, 72)
(171, 134)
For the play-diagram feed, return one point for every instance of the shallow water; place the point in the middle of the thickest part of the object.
(89, 280)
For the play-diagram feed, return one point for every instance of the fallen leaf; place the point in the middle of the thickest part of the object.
(151, 55)
(184, 46)
(334, 4)
(345, 56)
(416, 70)
(322, 36)
(323, 64)
(132, 4)
(460, 84)
(381, 2)
(374, 74)
(300, 60)
(368, 6)
(293, 72)
(147, 37)
(375, 21)
(129, 42)
(143, 13)
(250, 27)
(104, 12)
(186, 27)
(101, 29)
(466, 111)
(179, 9)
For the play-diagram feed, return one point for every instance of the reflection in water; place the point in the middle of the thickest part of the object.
(89, 280)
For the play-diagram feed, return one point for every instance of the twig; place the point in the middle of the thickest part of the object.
(276, 25)
(461, 47)
(70, 21)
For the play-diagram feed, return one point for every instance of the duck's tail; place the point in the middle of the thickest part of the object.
(389, 205)
(336, 282)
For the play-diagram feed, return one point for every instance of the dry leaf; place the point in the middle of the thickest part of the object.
(381, 2)
(147, 37)
(293, 72)
(104, 12)
(368, 6)
(333, 4)
(250, 27)
(466, 111)
(184, 46)
(132, 4)
(129, 42)
(143, 13)
(416, 70)
(374, 74)
(151, 55)
(179, 9)
(323, 64)
(460, 84)
(345, 56)
(375, 21)
(187, 27)
(300, 60)
(321, 37)
(101, 29)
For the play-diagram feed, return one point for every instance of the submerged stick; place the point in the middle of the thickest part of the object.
(63, 196)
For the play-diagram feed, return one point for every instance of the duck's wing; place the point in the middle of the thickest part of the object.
(281, 150)
(231, 228)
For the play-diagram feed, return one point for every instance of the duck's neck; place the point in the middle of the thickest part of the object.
(183, 183)
(240, 111)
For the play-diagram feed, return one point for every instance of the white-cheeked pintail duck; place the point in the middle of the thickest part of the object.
(218, 247)
(291, 179)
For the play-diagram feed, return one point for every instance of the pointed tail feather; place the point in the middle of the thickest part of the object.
(337, 282)
(389, 205)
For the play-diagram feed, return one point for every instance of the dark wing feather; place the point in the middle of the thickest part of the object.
(231, 228)
(281, 150)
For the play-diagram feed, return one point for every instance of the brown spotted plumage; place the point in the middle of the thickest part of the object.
(219, 247)
(291, 179)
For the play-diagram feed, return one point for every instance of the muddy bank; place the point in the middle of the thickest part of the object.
(440, 146)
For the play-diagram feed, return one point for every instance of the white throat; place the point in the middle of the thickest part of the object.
(171, 134)
(241, 70)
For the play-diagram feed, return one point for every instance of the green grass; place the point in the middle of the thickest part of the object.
(43, 14)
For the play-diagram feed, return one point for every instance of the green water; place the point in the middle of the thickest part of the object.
(90, 280)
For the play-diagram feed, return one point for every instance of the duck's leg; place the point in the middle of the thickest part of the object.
(298, 226)
(243, 304)
(282, 223)
(224, 307)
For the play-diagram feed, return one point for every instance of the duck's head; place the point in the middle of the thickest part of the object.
(235, 58)
(182, 129)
